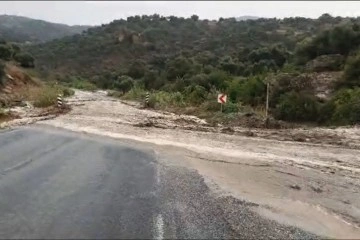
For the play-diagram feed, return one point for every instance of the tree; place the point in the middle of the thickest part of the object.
(2, 72)
(25, 59)
(347, 106)
(150, 78)
(178, 67)
(252, 91)
(15, 49)
(136, 70)
(5, 52)
(228, 65)
(218, 79)
(352, 71)
(124, 83)
(195, 17)
(296, 107)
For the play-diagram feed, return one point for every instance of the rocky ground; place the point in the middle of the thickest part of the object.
(307, 178)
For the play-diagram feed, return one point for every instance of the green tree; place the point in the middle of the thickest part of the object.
(5, 52)
(252, 91)
(25, 59)
(178, 67)
(347, 106)
(150, 79)
(124, 83)
(296, 107)
(195, 17)
(218, 79)
(2, 72)
(137, 69)
(352, 72)
(227, 64)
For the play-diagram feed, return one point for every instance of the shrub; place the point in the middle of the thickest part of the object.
(326, 111)
(352, 72)
(296, 107)
(135, 93)
(2, 73)
(164, 99)
(195, 94)
(150, 78)
(79, 83)
(201, 80)
(347, 107)
(67, 92)
(25, 60)
(124, 83)
(218, 79)
(252, 91)
(230, 107)
(137, 69)
(5, 52)
(42, 97)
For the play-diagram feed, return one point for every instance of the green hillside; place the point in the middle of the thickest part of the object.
(312, 63)
(22, 29)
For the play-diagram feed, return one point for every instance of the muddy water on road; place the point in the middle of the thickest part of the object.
(315, 187)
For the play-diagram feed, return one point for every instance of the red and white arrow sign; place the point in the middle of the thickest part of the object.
(221, 98)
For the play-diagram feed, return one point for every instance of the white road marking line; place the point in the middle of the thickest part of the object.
(159, 227)
(157, 175)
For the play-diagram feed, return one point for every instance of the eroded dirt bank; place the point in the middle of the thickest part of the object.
(313, 184)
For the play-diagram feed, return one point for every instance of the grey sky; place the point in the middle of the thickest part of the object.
(98, 12)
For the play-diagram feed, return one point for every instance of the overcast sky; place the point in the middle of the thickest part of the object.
(98, 12)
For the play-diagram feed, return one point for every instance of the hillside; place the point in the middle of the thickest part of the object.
(307, 61)
(23, 29)
(243, 18)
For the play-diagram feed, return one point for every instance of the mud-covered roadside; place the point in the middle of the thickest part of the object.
(312, 182)
(23, 115)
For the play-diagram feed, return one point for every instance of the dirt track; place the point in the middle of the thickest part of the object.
(313, 184)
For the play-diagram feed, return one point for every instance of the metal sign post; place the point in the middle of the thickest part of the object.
(221, 99)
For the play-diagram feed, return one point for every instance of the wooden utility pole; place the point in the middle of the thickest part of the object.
(267, 100)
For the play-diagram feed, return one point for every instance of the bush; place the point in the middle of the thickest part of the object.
(5, 52)
(25, 60)
(218, 79)
(195, 94)
(287, 82)
(124, 83)
(230, 107)
(252, 91)
(137, 70)
(326, 112)
(135, 93)
(150, 78)
(67, 92)
(79, 83)
(352, 72)
(296, 107)
(2, 73)
(346, 107)
(164, 99)
(42, 96)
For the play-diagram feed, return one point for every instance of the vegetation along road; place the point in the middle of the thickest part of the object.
(103, 166)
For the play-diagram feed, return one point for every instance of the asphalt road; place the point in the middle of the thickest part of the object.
(59, 184)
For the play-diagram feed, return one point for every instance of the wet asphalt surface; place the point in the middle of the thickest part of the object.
(59, 184)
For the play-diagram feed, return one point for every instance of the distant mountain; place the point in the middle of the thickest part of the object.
(244, 18)
(23, 29)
